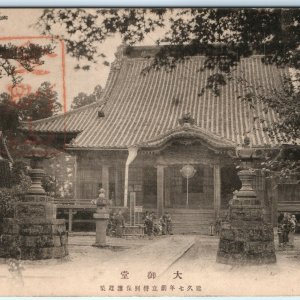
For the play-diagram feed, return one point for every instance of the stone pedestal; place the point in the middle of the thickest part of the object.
(34, 232)
(245, 238)
(101, 216)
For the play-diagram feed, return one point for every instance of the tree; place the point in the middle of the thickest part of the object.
(28, 56)
(9, 114)
(38, 105)
(41, 104)
(223, 35)
(83, 99)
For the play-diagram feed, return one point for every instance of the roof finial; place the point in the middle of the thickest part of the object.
(246, 141)
(116, 65)
(186, 120)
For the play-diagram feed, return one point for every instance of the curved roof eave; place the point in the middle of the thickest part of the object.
(188, 131)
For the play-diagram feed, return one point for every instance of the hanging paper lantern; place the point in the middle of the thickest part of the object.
(188, 171)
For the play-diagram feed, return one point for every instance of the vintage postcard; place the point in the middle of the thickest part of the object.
(149, 152)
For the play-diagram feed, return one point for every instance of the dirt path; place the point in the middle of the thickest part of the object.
(199, 267)
(88, 267)
(152, 267)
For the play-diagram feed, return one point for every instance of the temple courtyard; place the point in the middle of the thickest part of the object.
(166, 265)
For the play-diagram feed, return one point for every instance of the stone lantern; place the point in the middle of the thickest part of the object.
(34, 232)
(101, 216)
(246, 238)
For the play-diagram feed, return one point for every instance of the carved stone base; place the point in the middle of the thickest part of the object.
(34, 233)
(101, 225)
(246, 238)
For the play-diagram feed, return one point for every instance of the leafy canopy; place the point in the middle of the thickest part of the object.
(41, 104)
(28, 56)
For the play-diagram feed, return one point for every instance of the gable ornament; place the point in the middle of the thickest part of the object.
(186, 120)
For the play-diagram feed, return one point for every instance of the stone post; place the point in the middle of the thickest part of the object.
(101, 216)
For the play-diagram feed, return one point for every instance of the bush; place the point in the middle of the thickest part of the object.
(9, 196)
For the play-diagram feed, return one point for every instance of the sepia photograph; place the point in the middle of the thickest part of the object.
(149, 151)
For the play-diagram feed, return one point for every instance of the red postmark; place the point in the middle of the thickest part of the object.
(42, 73)
(19, 90)
(39, 70)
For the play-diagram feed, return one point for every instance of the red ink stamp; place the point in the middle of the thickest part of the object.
(53, 70)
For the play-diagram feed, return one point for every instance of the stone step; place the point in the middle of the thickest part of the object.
(186, 222)
(191, 220)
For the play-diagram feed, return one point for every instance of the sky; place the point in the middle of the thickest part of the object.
(20, 24)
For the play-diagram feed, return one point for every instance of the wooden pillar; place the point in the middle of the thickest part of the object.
(160, 190)
(217, 189)
(70, 219)
(76, 181)
(117, 187)
(105, 180)
(274, 202)
(167, 188)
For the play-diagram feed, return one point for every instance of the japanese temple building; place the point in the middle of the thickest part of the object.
(148, 126)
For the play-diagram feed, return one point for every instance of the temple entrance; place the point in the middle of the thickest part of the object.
(196, 192)
(190, 204)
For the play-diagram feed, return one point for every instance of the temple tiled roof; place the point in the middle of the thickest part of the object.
(138, 109)
(73, 121)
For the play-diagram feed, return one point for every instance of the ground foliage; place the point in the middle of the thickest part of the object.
(17, 184)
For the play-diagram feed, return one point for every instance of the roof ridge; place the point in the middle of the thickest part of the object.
(149, 51)
(147, 58)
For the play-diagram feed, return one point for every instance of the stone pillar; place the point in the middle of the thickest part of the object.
(217, 189)
(246, 238)
(160, 190)
(101, 216)
(105, 179)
